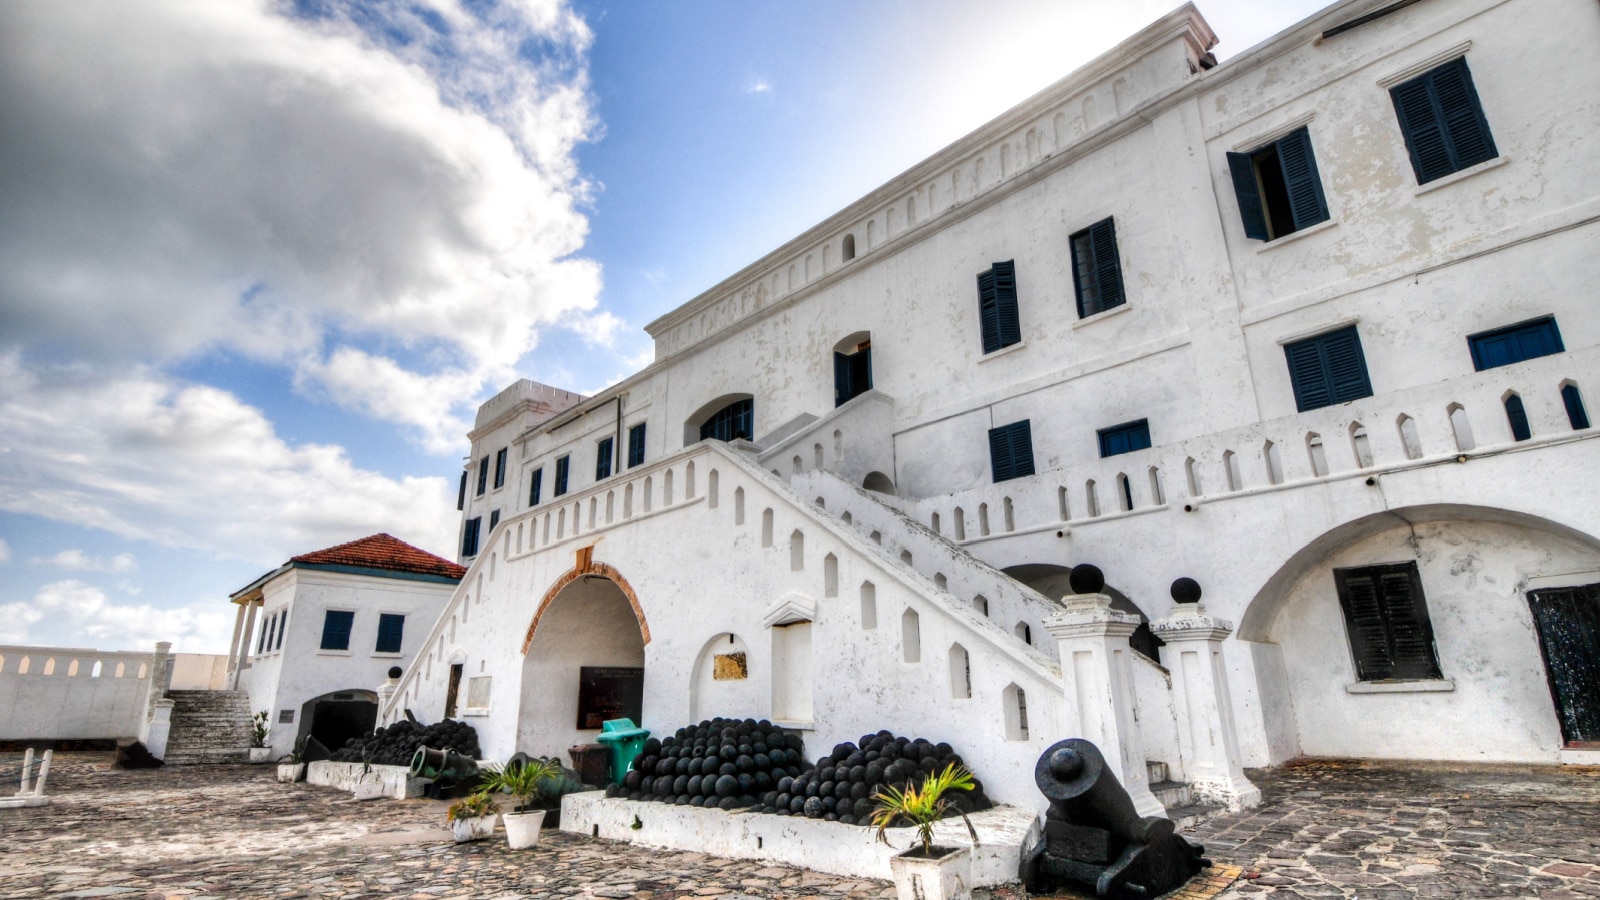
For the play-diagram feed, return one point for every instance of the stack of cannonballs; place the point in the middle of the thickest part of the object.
(842, 786)
(396, 744)
(720, 763)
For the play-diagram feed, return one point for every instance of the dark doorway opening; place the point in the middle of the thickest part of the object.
(455, 689)
(1568, 623)
(333, 719)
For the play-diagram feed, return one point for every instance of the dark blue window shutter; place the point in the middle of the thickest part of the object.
(636, 445)
(1442, 121)
(1576, 414)
(483, 475)
(1005, 291)
(1470, 141)
(562, 465)
(1504, 346)
(500, 468)
(461, 496)
(1243, 169)
(1011, 450)
(494, 519)
(391, 633)
(1125, 438)
(842, 387)
(535, 486)
(1107, 263)
(603, 456)
(336, 629)
(989, 312)
(283, 624)
(469, 537)
(1518, 418)
(1328, 369)
(1307, 205)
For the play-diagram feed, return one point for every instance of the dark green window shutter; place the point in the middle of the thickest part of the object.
(1442, 121)
(1243, 169)
(636, 445)
(469, 536)
(483, 475)
(841, 379)
(336, 629)
(461, 496)
(536, 485)
(1011, 450)
(494, 519)
(500, 468)
(603, 456)
(1306, 202)
(562, 465)
(1328, 369)
(1097, 268)
(391, 633)
(1518, 418)
(1005, 289)
(988, 312)
(1386, 618)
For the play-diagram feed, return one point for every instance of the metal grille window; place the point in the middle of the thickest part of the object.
(736, 420)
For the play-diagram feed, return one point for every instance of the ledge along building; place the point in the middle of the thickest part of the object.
(1314, 328)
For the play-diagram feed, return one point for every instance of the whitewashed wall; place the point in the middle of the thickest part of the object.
(56, 693)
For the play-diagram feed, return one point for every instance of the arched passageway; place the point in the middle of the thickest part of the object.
(338, 716)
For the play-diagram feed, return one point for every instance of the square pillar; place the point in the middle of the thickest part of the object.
(1204, 709)
(1098, 680)
(233, 647)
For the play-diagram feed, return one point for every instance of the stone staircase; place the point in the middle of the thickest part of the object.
(1178, 798)
(208, 727)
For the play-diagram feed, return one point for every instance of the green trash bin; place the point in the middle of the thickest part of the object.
(624, 739)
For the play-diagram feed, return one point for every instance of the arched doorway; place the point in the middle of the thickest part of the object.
(336, 717)
(852, 367)
(1053, 582)
(583, 662)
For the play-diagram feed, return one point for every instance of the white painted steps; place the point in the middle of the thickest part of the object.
(208, 727)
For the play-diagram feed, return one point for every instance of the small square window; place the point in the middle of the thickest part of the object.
(1386, 619)
(1125, 438)
(1515, 343)
(336, 629)
(1328, 369)
(285, 717)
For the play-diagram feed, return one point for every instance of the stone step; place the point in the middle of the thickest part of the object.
(206, 757)
(1187, 817)
(1172, 794)
(1156, 771)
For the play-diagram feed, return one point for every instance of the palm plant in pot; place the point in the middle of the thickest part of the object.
(472, 818)
(524, 782)
(259, 751)
(924, 871)
(292, 765)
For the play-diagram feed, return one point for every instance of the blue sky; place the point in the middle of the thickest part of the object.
(259, 260)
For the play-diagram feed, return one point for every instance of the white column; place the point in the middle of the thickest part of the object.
(1095, 669)
(233, 647)
(249, 632)
(1206, 735)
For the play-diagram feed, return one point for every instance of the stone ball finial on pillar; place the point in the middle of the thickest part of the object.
(1186, 590)
(394, 673)
(1086, 579)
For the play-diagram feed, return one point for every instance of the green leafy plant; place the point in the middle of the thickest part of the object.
(523, 781)
(297, 755)
(259, 729)
(472, 806)
(921, 806)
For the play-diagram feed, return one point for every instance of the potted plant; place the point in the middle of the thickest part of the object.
(259, 751)
(292, 765)
(524, 782)
(472, 818)
(924, 871)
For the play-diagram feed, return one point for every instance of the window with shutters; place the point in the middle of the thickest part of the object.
(483, 475)
(636, 445)
(1328, 369)
(283, 624)
(1515, 343)
(391, 633)
(562, 465)
(1442, 121)
(1011, 450)
(500, 468)
(603, 456)
(336, 629)
(469, 537)
(852, 372)
(1125, 438)
(1097, 269)
(535, 486)
(734, 421)
(494, 519)
(1386, 619)
(1278, 187)
(997, 306)
(461, 496)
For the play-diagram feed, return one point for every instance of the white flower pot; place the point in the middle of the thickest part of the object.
(945, 877)
(289, 773)
(260, 754)
(475, 829)
(522, 829)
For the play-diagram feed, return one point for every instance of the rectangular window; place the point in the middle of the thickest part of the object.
(500, 468)
(636, 445)
(1011, 450)
(391, 632)
(1515, 343)
(1278, 187)
(1386, 619)
(1442, 121)
(461, 496)
(1328, 369)
(852, 374)
(535, 485)
(469, 537)
(562, 465)
(494, 519)
(283, 623)
(997, 306)
(603, 456)
(1096, 268)
(336, 629)
(1125, 438)
(483, 475)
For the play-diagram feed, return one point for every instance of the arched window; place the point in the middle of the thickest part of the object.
(852, 367)
(849, 252)
(725, 419)
(1574, 403)
(1409, 439)
(1518, 417)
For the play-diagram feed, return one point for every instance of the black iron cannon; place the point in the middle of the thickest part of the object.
(447, 768)
(1093, 836)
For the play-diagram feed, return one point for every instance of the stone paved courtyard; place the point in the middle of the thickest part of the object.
(1325, 829)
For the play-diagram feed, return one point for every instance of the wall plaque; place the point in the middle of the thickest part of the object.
(609, 692)
(729, 667)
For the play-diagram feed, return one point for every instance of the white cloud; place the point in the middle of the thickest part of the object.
(77, 560)
(757, 85)
(188, 175)
(186, 465)
(73, 614)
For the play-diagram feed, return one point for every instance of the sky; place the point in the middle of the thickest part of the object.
(261, 259)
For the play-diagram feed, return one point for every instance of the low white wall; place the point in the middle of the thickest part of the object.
(396, 780)
(1004, 833)
(69, 693)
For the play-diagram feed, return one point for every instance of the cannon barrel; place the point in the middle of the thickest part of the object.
(1074, 776)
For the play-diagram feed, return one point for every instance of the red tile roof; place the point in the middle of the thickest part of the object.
(382, 551)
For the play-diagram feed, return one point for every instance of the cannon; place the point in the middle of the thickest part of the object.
(1095, 839)
(447, 768)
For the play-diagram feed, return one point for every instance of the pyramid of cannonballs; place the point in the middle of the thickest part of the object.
(844, 785)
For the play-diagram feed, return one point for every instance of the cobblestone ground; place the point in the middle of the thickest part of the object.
(1325, 829)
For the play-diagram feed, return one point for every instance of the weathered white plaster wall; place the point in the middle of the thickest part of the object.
(589, 624)
(54, 693)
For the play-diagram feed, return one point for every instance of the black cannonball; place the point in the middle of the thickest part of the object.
(929, 765)
(858, 773)
(783, 811)
(728, 803)
(747, 782)
(792, 770)
(856, 759)
(841, 789)
(859, 790)
(826, 790)
(813, 808)
(777, 775)
(667, 766)
(769, 798)
(863, 809)
(1186, 590)
(759, 746)
(872, 755)
(681, 800)
(769, 809)
(945, 750)
(652, 747)
(1086, 579)
(680, 784)
(775, 739)
(745, 763)
(891, 751)
(793, 742)
(798, 804)
(830, 817)
(633, 795)
(631, 780)
(681, 765)
(875, 771)
(811, 789)
(694, 785)
(647, 764)
(727, 768)
(840, 751)
(746, 748)
(728, 752)
(612, 790)
(825, 773)
(727, 786)
(763, 780)
(762, 761)
(784, 784)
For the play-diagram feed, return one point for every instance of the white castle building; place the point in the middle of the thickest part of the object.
(1315, 328)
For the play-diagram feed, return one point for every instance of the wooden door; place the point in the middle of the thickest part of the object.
(1568, 622)
(455, 688)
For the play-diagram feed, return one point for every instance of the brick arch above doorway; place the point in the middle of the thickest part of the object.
(587, 566)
